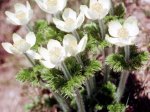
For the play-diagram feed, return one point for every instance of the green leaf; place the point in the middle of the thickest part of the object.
(116, 107)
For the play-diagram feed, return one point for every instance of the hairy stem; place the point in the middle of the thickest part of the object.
(60, 99)
(29, 59)
(124, 76)
(112, 8)
(75, 33)
(78, 97)
(102, 28)
(89, 83)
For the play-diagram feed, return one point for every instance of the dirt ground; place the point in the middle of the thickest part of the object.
(14, 95)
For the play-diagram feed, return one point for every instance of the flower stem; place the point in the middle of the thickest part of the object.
(78, 96)
(88, 83)
(112, 8)
(28, 28)
(102, 28)
(124, 76)
(29, 59)
(75, 33)
(64, 105)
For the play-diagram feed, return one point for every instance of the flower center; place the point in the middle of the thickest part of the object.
(52, 2)
(97, 7)
(21, 15)
(69, 21)
(123, 33)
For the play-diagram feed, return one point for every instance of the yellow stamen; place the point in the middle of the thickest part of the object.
(123, 33)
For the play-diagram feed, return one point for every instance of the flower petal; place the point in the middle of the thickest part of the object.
(8, 47)
(82, 44)
(85, 10)
(80, 19)
(42, 5)
(20, 7)
(12, 18)
(70, 45)
(47, 64)
(69, 13)
(92, 1)
(106, 4)
(59, 24)
(114, 26)
(30, 38)
(131, 26)
(16, 38)
(116, 41)
(28, 5)
(44, 53)
(61, 4)
(53, 43)
(33, 54)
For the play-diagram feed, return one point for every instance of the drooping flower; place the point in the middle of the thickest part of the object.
(71, 21)
(72, 47)
(53, 55)
(97, 10)
(125, 34)
(21, 46)
(51, 6)
(22, 15)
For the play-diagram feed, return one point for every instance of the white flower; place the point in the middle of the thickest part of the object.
(97, 10)
(22, 14)
(71, 46)
(125, 34)
(53, 55)
(71, 21)
(51, 6)
(22, 46)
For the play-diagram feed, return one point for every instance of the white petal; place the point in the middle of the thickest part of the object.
(33, 54)
(116, 41)
(70, 45)
(106, 4)
(20, 7)
(13, 18)
(61, 4)
(47, 64)
(30, 38)
(16, 38)
(58, 22)
(85, 10)
(92, 1)
(82, 44)
(8, 47)
(69, 13)
(41, 4)
(44, 53)
(131, 26)
(80, 19)
(28, 5)
(114, 27)
(53, 43)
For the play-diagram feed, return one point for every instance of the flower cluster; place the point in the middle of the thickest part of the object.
(122, 33)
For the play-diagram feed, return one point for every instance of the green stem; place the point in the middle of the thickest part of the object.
(29, 59)
(124, 76)
(89, 83)
(112, 8)
(102, 28)
(75, 33)
(78, 96)
(64, 105)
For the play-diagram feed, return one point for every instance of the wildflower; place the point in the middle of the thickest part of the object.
(53, 55)
(51, 6)
(123, 35)
(97, 10)
(71, 21)
(71, 46)
(22, 46)
(22, 15)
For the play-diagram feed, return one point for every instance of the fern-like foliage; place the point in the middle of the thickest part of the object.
(118, 107)
(117, 61)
